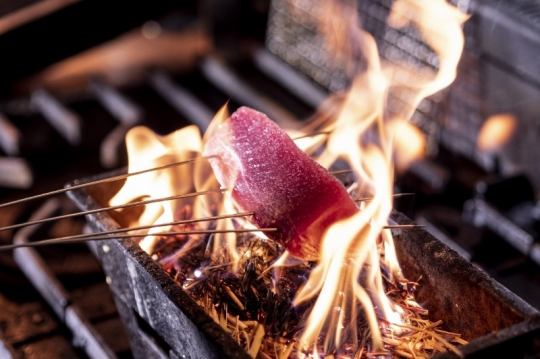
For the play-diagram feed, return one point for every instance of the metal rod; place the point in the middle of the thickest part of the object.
(290, 78)
(403, 194)
(101, 237)
(398, 226)
(45, 281)
(107, 235)
(181, 99)
(106, 180)
(111, 208)
(120, 177)
(395, 195)
(340, 172)
(222, 76)
(173, 223)
(121, 206)
(102, 180)
(313, 134)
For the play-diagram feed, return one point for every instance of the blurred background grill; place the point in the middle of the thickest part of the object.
(77, 75)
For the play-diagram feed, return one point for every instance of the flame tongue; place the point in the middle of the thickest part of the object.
(147, 150)
(273, 178)
(316, 219)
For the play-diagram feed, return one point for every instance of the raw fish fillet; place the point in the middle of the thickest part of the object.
(272, 177)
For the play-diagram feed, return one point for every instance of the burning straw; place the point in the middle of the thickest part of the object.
(255, 304)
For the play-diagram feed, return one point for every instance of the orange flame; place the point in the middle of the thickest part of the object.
(496, 132)
(148, 150)
(409, 143)
(366, 134)
(363, 132)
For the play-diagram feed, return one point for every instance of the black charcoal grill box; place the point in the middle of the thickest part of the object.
(499, 72)
(163, 321)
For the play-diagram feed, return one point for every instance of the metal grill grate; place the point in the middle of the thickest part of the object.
(496, 59)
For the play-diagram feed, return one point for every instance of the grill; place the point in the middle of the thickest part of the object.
(54, 128)
(147, 297)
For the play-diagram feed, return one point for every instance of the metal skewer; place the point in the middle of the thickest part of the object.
(111, 208)
(106, 180)
(119, 232)
(107, 235)
(320, 133)
(133, 204)
(395, 195)
(340, 172)
(118, 177)
(150, 226)
(398, 226)
(102, 180)
(103, 237)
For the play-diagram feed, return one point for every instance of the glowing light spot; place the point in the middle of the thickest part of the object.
(496, 132)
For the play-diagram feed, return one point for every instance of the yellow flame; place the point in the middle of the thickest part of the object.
(366, 134)
(496, 132)
(148, 150)
(440, 25)
(360, 129)
(409, 143)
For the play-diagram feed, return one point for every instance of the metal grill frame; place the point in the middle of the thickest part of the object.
(163, 321)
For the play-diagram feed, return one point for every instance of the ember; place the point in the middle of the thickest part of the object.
(255, 305)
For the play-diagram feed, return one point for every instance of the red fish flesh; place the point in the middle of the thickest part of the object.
(271, 177)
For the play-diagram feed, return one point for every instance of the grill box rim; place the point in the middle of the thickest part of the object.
(209, 338)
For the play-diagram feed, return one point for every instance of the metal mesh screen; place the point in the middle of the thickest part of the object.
(457, 113)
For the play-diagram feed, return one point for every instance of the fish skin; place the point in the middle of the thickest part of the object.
(273, 178)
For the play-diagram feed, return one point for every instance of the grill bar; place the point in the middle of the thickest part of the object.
(66, 122)
(35, 268)
(183, 101)
(122, 108)
(297, 84)
(218, 73)
(9, 136)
